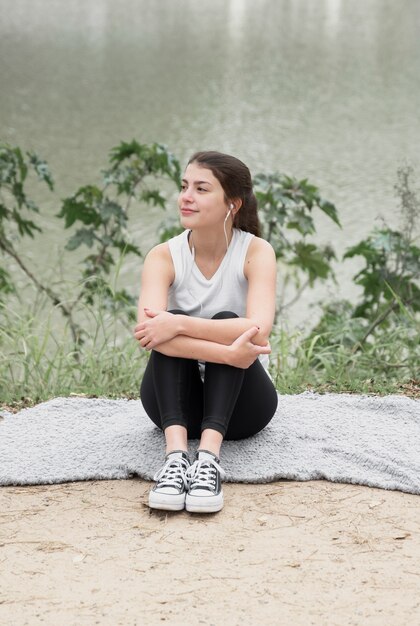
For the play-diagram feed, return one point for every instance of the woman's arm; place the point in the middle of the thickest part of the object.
(260, 271)
(157, 276)
(241, 353)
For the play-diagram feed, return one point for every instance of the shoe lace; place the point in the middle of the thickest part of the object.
(173, 473)
(202, 472)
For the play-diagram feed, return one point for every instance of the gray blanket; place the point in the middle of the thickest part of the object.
(339, 437)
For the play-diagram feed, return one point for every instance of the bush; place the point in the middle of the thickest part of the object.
(355, 346)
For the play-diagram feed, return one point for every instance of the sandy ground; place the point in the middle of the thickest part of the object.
(283, 553)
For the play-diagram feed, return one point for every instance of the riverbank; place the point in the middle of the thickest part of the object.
(286, 552)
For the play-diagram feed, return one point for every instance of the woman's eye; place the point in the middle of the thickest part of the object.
(201, 189)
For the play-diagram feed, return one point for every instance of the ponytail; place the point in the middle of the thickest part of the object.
(247, 216)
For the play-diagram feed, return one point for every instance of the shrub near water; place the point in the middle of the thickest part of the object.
(390, 364)
(81, 342)
(36, 364)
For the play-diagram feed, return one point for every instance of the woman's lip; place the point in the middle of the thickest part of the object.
(188, 211)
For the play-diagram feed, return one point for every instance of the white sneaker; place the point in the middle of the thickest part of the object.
(172, 484)
(205, 494)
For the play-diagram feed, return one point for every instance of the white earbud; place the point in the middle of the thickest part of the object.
(230, 211)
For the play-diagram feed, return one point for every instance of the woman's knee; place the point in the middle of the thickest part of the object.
(224, 315)
(177, 312)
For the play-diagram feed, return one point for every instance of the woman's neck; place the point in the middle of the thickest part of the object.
(210, 246)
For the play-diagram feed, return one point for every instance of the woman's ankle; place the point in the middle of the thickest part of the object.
(176, 439)
(211, 440)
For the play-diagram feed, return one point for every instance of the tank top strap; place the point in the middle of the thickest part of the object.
(241, 243)
(181, 256)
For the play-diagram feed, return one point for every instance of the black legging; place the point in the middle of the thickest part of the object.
(237, 403)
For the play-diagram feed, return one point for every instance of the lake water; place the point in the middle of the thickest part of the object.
(324, 89)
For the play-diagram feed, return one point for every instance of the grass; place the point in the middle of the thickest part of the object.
(37, 359)
(299, 364)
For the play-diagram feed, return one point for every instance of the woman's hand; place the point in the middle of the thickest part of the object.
(160, 326)
(242, 352)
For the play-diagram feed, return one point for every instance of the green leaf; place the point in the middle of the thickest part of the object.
(25, 227)
(384, 240)
(124, 151)
(5, 213)
(329, 209)
(363, 248)
(154, 197)
(301, 222)
(94, 263)
(23, 168)
(6, 285)
(82, 236)
(144, 160)
(127, 248)
(41, 168)
(111, 209)
(83, 210)
(19, 194)
(311, 260)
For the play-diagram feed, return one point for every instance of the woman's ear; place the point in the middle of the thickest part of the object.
(235, 205)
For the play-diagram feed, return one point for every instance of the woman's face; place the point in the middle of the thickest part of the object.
(201, 200)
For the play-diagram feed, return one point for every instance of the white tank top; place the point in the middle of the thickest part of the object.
(226, 290)
(203, 297)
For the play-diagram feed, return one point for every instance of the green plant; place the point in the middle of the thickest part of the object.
(368, 346)
(390, 277)
(101, 214)
(16, 207)
(286, 204)
(37, 361)
(381, 332)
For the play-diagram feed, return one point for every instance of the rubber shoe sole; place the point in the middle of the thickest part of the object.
(166, 502)
(201, 504)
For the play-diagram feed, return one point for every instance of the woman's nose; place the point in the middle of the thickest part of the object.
(186, 194)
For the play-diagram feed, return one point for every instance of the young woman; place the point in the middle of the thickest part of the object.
(205, 312)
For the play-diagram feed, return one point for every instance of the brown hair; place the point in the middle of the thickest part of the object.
(235, 178)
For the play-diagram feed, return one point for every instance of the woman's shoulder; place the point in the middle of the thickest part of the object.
(158, 263)
(163, 250)
(159, 258)
(260, 257)
(160, 251)
(258, 245)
